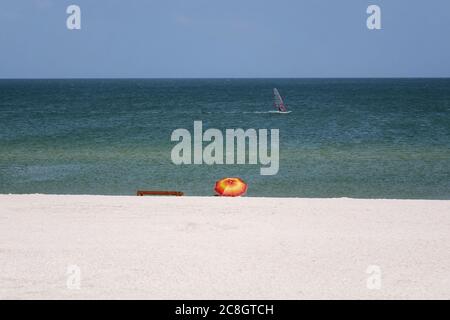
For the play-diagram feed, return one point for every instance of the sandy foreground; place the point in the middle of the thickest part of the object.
(222, 248)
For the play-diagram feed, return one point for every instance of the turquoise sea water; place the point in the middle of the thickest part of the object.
(364, 138)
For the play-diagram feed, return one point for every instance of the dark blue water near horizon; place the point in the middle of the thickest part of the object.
(361, 138)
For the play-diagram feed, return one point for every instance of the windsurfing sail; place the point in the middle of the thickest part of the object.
(278, 101)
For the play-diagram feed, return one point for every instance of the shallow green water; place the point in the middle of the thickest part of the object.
(384, 138)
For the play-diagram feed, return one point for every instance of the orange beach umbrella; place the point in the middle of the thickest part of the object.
(231, 187)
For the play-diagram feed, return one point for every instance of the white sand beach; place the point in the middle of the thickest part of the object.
(223, 248)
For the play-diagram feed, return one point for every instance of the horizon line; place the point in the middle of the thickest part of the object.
(213, 78)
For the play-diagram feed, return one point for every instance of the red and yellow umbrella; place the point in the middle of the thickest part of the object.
(231, 187)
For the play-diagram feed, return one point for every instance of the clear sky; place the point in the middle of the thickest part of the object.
(224, 38)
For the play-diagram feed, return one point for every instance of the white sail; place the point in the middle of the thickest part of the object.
(278, 101)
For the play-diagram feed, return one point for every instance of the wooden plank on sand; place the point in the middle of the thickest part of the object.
(159, 193)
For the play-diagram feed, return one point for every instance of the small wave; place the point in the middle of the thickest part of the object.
(265, 112)
(238, 112)
(256, 112)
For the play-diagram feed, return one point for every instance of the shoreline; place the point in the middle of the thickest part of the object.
(130, 247)
(210, 196)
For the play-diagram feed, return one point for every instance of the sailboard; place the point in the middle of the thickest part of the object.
(278, 102)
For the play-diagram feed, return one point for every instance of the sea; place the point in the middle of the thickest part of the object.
(358, 138)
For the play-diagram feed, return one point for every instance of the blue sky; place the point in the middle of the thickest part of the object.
(224, 38)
